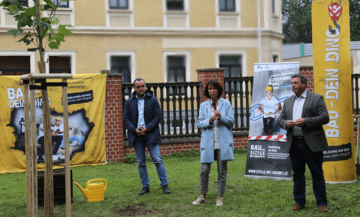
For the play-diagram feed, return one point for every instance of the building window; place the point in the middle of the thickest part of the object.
(118, 4)
(227, 5)
(121, 64)
(175, 5)
(232, 68)
(62, 4)
(60, 64)
(232, 65)
(273, 4)
(275, 58)
(14, 65)
(176, 71)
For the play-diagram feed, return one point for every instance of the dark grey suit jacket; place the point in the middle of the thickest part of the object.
(315, 114)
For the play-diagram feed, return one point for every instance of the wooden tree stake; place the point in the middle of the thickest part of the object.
(27, 150)
(48, 178)
(34, 151)
(67, 150)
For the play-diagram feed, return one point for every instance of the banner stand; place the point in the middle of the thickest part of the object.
(268, 153)
(268, 177)
(332, 80)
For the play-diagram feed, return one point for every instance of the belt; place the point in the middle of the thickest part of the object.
(298, 137)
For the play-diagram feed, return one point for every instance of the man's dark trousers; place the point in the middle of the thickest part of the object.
(268, 125)
(300, 155)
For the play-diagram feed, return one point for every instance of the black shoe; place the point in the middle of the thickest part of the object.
(166, 189)
(145, 190)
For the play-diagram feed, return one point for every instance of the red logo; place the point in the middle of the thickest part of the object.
(335, 11)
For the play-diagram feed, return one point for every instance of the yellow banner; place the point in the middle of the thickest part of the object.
(86, 98)
(332, 78)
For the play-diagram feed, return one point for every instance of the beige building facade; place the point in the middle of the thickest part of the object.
(158, 40)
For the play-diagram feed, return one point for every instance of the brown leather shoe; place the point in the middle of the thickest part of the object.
(297, 207)
(323, 209)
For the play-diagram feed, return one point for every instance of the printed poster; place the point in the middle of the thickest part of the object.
(267, 153)
(86, 98)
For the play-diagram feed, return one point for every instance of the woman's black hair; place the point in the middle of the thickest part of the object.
(216, 85)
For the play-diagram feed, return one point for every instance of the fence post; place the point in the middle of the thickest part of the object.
(205, 75)
(114, 138)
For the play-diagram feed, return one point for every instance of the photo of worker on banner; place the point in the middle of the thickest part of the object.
(271, 87)
(269, 106)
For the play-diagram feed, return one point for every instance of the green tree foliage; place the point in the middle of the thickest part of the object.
(298, 28)
(29, 26)
(298, 16)
(354, 7)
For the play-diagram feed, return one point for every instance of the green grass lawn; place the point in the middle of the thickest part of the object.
(244, 196)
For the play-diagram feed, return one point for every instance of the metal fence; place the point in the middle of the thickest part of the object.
(238, 90)
(355, 92)
(179, 112)
(179, 103)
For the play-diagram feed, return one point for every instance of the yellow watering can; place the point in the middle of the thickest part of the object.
(95, 191)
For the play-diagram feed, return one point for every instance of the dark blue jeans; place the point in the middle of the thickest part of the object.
(268, 125)
(301, 154)
(139, 147)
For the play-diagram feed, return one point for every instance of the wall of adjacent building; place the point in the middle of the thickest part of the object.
(202, 32)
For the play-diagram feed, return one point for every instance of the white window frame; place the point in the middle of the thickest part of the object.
(241, 53)
(275, 7)
(131, 54)
(187, 63)
(71, 54)
(64, 11)
(128, 6)
(174, 13)
(228, 14)
(4, 11)
(21, 53)
(269, 16)
(186, 6)
(275, 53)
(120, 12)
(185, 53)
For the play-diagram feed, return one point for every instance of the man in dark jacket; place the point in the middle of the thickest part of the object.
(142, 116)
(302, 116)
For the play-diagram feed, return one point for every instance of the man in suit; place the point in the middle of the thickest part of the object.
(142, 116)
(302, 116)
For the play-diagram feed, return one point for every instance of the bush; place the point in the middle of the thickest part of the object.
(131, 158)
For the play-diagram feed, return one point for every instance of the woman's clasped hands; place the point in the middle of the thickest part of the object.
(215, 116)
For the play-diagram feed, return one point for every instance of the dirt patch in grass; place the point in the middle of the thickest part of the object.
(136, 210)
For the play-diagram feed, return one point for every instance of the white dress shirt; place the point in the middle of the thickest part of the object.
(297, 112)
(141, 118)
(216, 130)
